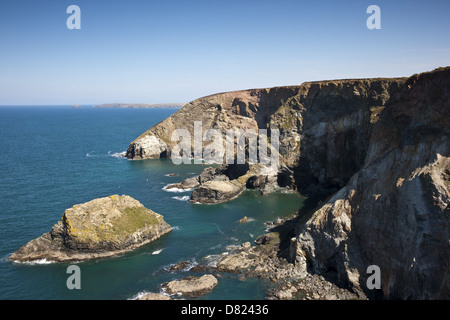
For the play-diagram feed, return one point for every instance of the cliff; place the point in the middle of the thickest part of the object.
(376, 148)
(324, 129)
(309, 112)
(395, 211)
(99, 228)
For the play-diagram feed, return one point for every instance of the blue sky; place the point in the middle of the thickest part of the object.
(177, 51)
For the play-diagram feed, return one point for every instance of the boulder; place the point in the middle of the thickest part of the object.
(212, 192)
(245, 219)
(187, 184)
(191, 286)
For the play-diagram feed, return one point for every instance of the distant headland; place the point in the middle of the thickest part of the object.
(140, 105)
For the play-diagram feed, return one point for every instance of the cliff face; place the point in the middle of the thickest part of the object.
(324, 126)
(378, 147)
(395, 211)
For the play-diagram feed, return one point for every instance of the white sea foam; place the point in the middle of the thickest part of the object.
(138, 295)
(176, 228)
(232, 247)
(175, 189)
(117, 154)
(91, 154)
(216, 246)
(40, 261)
(212, 259)
(191, 263)
(157, 252)
(183, 198)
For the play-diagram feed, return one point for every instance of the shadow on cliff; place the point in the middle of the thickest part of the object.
(289, 228)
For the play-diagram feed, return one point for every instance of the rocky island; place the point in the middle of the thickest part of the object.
(377, 154)
(99, 228)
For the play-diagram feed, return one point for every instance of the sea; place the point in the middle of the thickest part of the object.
(53, 157)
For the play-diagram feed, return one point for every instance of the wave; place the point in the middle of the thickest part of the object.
(189, 265)
(91, 155)
(178, 190)
(140, 294)
(183, 198)
(157, 252)
(117, 154)
(34, 262)
(212, 259)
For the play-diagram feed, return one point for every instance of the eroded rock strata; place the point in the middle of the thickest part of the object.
(99, 228)
(395, 211)
(324, 130)
(378, 149)
(324, 126)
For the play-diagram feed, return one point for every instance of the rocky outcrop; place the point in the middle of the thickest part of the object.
(216, 192)
(376, 148)
(288, 282)
(324, 128)
(311, 287)
(99, 228)
(395, 211)
(227, 182)
(191, 286)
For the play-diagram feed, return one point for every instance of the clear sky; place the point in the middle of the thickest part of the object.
(176, 51)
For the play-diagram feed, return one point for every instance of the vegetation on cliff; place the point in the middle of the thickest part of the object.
(99, 228)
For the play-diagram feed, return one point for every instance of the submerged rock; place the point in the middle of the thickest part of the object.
(180, 266)
(99, 228)
(245, 219)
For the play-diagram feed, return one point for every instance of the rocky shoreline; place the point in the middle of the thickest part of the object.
(265, 260)
(376, 153)
(269, 259)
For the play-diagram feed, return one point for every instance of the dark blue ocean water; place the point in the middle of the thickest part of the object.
(54, 157)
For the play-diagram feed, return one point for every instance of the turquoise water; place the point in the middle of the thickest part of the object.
(55, 157)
